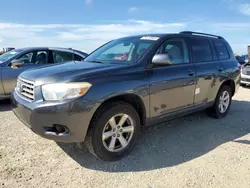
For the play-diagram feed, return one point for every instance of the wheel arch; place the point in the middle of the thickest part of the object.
(229, 83)
(130, 98)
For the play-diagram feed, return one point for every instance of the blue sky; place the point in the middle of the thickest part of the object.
(86, 24)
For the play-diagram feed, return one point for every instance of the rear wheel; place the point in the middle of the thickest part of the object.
(114, 131)
(222, 103)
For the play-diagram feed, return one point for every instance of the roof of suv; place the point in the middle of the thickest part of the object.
(186, 33)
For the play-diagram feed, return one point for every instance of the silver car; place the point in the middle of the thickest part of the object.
(16, 61)
(245, 74)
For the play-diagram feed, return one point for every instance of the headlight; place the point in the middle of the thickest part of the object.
(61, 91)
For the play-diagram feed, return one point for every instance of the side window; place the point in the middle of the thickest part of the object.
(176, 50)
(201, 50)
(41, 57)
(221, 50)
(27, 58)
(61, 57)
(78, 58)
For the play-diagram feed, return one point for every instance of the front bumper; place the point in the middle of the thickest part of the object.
(39, 116)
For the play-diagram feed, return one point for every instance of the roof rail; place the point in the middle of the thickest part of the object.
(201, 34)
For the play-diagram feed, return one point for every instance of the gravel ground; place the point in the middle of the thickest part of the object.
(193, 151)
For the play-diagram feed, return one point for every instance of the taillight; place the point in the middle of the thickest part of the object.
(239, 67)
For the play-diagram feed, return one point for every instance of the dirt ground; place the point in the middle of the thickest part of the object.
(193, 151)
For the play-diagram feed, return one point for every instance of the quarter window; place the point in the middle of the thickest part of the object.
(78, 58)
(201, 50)
(221, 50)
(176, 51)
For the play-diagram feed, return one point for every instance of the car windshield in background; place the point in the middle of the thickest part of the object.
(125, 50)
(8, 55)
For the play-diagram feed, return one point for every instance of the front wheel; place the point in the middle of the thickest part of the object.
(222, 102)
(114, 131)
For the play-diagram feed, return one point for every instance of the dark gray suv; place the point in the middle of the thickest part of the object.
(125, 85)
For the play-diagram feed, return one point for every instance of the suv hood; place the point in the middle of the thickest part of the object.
(66, 72)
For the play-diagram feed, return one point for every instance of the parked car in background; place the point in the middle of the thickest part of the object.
(16, 61)
(126, 84)
(246, 59)
(245, 74)
(240, 59)
(8, 49)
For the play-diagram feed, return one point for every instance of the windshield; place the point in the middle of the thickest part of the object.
(8, 55)
(125, 50)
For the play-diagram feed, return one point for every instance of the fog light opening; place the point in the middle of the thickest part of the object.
(60, 129)
(56, 129)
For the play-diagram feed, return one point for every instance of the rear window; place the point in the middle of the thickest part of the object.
(221, 50)
(201, 50)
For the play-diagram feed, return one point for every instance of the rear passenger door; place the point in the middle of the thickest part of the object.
(208, 69)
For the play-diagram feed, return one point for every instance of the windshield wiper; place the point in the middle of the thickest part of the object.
(95, 61)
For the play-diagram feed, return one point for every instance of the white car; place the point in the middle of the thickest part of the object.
(245, 74)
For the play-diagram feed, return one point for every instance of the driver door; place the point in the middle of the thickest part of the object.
(29, 60)
(172, 86)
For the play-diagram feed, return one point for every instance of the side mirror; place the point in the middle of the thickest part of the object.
(161, 60)
(16, 63)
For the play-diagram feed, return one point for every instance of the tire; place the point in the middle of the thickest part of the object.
(215, 110)
(101, 148)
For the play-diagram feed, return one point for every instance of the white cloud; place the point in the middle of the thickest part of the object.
(245, 9)
(88, 2)
(232, 26)
(133, 9)
(91, 36)
(80, 36)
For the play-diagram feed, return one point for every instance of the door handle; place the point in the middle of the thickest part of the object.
(191, 72)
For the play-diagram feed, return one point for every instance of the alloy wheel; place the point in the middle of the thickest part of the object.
(224, 101)
(118, 132)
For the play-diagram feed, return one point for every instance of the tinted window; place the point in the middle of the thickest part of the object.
(176, 50)
(221, 50)
(61, 57)
(201, 50)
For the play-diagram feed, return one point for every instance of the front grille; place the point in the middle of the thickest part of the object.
(25, 89)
